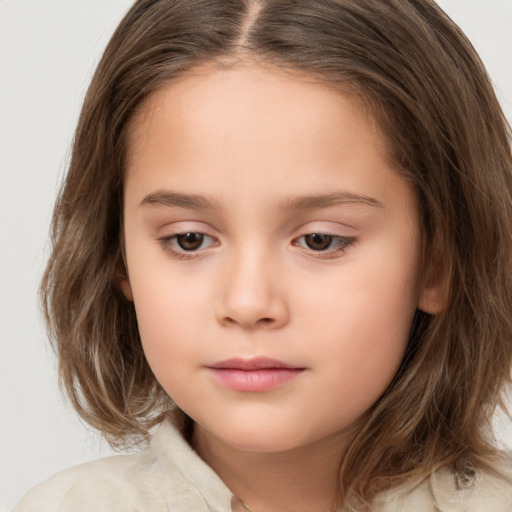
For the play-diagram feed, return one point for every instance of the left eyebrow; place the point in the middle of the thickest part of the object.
(326, 200)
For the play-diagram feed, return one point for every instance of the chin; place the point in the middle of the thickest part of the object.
(258, 436)
(250, 443)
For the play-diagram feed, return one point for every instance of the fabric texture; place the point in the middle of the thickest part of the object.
(170, 477)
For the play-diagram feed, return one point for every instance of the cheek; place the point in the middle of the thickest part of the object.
(168, 342)
(370, 296)
(163, 315)
(362, 325)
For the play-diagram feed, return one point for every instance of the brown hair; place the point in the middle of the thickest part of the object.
(447, 135)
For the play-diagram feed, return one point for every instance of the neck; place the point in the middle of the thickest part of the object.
(304, 479)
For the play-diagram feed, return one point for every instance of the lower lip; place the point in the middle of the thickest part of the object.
(255, 381)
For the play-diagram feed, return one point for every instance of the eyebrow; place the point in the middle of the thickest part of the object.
(166, 198)
(326, 200)
(175, 199)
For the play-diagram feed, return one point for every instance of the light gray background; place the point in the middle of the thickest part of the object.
(48, 49)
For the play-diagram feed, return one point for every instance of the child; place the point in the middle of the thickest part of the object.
(283, 245)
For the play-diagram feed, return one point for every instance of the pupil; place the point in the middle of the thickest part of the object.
(318, 241)
(190, 241)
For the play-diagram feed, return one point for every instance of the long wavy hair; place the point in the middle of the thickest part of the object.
(446, 134)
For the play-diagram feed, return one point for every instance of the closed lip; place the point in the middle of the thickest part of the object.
(253, 375)
(257, 363)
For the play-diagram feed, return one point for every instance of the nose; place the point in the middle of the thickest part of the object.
(252, 295)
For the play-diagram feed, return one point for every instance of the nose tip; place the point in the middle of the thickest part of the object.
(258, 313)
(251, 299)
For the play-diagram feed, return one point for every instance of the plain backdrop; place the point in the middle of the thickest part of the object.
(48, 50)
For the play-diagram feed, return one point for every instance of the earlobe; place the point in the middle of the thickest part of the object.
(432, 299)
(433, 296)
(124, 284)
(434, 281)
(122, 279)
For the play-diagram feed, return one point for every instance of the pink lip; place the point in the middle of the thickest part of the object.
(253, 375)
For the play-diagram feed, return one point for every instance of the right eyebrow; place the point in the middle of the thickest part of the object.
(167, 198)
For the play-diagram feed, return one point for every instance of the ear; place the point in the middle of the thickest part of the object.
(124, 285)
(432, 299)
(433, 296)
(122, 279)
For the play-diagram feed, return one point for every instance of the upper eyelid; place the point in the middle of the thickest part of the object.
(181, 227)
(167, 238)
(349, 239)
(321, 232)
(325, 226)
(346, 233)
(173, 232)
(174, 235)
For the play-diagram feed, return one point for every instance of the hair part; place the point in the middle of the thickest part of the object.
(446, 134)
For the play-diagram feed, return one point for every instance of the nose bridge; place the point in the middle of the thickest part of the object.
(251, 294)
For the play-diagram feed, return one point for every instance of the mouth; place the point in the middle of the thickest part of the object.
(254, 375)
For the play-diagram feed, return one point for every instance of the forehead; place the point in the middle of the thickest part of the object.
(252, 97)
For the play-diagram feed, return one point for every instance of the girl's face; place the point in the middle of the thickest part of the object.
(272, 253)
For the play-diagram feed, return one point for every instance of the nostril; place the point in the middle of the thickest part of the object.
(258, 312)
(260, 322)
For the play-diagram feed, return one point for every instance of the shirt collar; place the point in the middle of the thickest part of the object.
(175, 455)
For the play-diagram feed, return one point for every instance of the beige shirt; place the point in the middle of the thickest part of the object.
(170, 477)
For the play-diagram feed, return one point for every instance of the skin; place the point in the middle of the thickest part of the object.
(251, 140)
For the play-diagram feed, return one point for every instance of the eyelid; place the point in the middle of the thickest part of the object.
(343, 234)
(345, 242)
(180, 227)
(167, 242)
(342, 241)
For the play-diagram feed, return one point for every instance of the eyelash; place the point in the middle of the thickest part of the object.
(169, 244)
(344, 242)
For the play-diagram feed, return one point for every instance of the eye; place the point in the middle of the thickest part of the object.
(324, 242)
(186, 244)
(318, 241)
(190, 241)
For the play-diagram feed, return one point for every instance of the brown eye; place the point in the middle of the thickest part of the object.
(188, 245)
(190, 241)
(318, 241)
(324, 245)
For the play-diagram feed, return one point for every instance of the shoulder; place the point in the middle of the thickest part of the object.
(168, 475)
(484, 492)
(444, 490)
(123, 482)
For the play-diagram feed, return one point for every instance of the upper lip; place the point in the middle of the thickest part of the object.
(256, 363)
